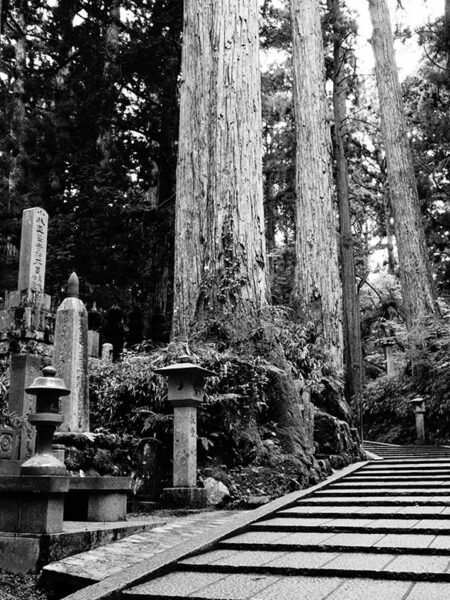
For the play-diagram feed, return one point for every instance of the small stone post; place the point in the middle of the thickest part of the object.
(70, 357)
(94, 320)
(185, 393)
(107, 352)
(419, 410)
(388, 346)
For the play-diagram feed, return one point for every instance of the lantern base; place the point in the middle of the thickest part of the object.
(43, 464)
(184, 497)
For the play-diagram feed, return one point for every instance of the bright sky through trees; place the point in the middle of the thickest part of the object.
(414, 14)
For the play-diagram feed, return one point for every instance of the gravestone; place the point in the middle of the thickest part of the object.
(93, 343)
(107, 352)
(70, 357)
(26, 327)
(94, 325)
(26, 321)
(33, 249)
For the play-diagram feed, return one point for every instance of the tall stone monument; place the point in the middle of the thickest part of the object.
(26, 327)
(70, 357)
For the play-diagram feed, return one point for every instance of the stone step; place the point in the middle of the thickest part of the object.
(367, 485)
(393, 463)
(385, 491)
(358, 500)
(414, 474)
(388, 457)
(325, 563)
(411, 512)
(281, 540)
(354, 524)
(404, 466)
(242, 586)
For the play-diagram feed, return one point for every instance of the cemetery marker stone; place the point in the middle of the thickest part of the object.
(70, 357)
(26, 311)
(33, 249)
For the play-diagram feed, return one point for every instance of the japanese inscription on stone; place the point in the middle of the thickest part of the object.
(33, 250)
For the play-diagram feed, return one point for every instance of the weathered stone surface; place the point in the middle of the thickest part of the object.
(216, 491)
(107, 352)
(9, 449)
(334, 438)
(70, 359)
(184, 497)
(24, 369)
(93, 343)
(32, 504)
(185, 446)
(33, 250)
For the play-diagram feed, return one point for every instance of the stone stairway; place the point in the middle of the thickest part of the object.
(406, 452)
(380, 532)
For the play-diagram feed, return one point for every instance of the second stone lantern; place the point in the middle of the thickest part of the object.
(185, 393)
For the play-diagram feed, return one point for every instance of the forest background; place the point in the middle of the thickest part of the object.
(89, 131)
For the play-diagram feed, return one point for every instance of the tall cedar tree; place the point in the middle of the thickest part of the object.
(18, 120)
(415, 274)
(351, 312)
(220, 263)
(317, 287)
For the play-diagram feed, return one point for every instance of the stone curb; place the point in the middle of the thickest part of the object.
(110, 588)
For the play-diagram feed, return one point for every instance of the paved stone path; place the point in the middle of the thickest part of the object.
(380, 532)
(92, 566)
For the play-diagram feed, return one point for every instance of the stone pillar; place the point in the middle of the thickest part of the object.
(185, 446)
(70, 357)
(388, 346)
(26, 326)
(107, 352)
(419, 411)
(24, 369)
(93, 343)
(185, 393)
(33, 250)
(94, 325)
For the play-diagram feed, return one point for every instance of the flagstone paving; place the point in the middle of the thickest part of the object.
(366, 535)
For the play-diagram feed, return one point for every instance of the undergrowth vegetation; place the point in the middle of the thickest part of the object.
(388, 414)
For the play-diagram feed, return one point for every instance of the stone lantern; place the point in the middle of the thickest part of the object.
(185, 393)
(388, 346)
(419, 410)
(47, 389)
(32, 503)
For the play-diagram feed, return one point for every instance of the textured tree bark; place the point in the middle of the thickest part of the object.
(18, 121)
(389, 232)
(220, 263)
(317, 287)
(415, 274)
(110, 72)
(351, 312)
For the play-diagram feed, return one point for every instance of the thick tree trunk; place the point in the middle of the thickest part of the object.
(110, 72)
(415, 274)
(390, 236)
(18, 121)
(220, 263)
(352, 327)
(317, 288)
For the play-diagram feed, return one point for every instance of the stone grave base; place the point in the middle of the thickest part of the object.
(32, 504)
(184, 497)
(10, 467)
(26, 552)
(97, 499)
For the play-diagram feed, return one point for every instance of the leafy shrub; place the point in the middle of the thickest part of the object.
(389, 417)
